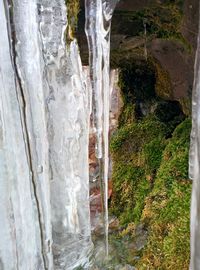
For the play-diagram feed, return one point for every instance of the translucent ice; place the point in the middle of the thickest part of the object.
(98, 25)
(44, 127)
(194, 168)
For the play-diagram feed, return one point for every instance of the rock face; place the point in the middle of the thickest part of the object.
(177, 62)
(189, 26)
(171, 42)
(116, 103)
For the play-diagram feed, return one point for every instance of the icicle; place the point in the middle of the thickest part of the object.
(98, 24)
(194, 166)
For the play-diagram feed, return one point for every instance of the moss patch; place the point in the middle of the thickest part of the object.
(163, 85)
(167, 207)
(135, 163)
(162, 21)
(186, 105)
(151, 186)
(150, 171)
(143, 80)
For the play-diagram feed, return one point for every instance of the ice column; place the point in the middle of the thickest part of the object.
(195, 166)
(67, 104)
(44, 130)
(98, 25)
(25, 220)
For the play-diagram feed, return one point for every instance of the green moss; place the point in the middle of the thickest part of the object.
(135, 163)
(163, 85)
(166, 210)
(162, 21)
(152, 152)
(186, 105)
(128, 115)
(150, 179)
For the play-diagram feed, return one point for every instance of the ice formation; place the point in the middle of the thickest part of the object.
(44, 123)
(98, 26)
(194, 168)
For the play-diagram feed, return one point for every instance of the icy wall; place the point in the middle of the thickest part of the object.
(44, 123)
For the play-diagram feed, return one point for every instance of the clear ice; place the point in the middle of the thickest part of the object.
(194, 166)
(45, 108)
(98, 27)
(44, 127)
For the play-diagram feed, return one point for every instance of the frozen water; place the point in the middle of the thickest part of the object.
(194, 168)
(98, 26)
(44, 127)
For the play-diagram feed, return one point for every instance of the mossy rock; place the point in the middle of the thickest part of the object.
(151, 186)
(163, 86)
(128, 115)
(167, 207)
(137, 80)
(161, 20)
(135, 162)
(186, 105)
(145, 80)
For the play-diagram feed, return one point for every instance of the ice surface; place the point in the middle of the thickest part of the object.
(194, 168)
(67, 103)
(20, 245)
(44, 130)
(98, 25)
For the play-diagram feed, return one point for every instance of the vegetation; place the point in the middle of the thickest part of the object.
(151, 187)
(150, 168)
(162, 21)
(150, 149)
(135, 161)
(163, 85)
(166, 210)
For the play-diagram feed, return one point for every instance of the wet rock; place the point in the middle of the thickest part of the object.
(180, 71)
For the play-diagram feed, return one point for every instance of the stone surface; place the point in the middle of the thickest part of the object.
(173, 56)
(177, 62)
